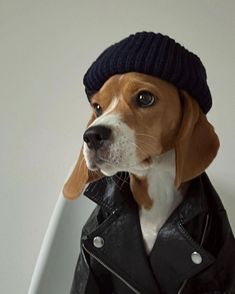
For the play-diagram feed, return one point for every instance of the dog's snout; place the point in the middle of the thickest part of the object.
(96, 136)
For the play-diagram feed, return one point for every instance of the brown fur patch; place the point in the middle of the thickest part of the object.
(196, 144)
(139, 188)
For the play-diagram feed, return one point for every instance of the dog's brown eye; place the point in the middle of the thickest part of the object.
(98, 109)
(145, 99)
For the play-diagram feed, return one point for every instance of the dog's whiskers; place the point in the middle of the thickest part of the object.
(150, 147)
(146, 135)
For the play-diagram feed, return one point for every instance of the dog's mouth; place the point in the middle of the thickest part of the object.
(110, 166)
(97, 159)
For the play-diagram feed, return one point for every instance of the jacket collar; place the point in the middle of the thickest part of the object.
(169, 262)
(123, 251)
(111, 193)
(104, 193)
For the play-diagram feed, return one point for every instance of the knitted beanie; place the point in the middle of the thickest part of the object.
(156, 55)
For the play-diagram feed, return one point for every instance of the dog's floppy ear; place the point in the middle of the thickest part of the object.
(196, 144)
(80, 176)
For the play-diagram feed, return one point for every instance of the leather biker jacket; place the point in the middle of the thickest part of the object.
(194, 251)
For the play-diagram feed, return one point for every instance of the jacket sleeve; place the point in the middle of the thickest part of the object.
(84, 281)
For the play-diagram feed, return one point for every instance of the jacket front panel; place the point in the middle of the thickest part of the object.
(121, 264)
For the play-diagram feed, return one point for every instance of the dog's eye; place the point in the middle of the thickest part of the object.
(98, 109)
(145, 99)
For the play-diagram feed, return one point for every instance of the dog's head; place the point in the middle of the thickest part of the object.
(135, 118)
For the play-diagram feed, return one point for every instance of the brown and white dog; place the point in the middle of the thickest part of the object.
(147, 127)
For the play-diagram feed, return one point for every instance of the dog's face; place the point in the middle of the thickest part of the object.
(136, 118)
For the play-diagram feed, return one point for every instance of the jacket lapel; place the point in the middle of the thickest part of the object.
(123, 250)
(172, 255)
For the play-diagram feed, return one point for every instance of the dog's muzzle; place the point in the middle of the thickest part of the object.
(110, 148)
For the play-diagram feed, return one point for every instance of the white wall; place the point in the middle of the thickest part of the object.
(45, 48)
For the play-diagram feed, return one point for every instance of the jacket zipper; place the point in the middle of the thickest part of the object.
(202, 241)
(111, 270)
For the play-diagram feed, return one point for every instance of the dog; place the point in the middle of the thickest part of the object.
(147, 127)
(158, 135)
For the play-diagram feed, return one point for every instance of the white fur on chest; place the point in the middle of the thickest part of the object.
(165, 198)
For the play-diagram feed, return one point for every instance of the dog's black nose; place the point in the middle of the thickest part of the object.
(95, 136)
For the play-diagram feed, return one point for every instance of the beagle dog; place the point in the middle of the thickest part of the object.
(157, 133)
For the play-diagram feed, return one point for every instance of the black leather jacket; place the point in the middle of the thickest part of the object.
(194, 251)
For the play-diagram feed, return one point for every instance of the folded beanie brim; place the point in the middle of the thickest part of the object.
(156, 55)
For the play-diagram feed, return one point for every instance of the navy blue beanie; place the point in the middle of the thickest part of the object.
(156, 55)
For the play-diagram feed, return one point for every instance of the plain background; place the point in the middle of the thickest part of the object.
(45, 48)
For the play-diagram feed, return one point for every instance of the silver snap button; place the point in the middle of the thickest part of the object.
(196, 258)
(98, 242)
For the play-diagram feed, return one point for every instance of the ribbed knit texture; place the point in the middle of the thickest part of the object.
(156, 55)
